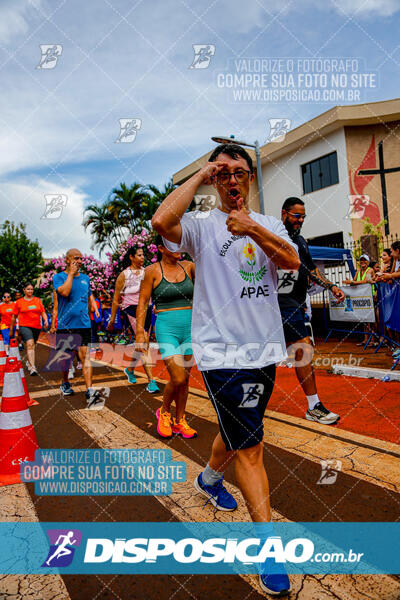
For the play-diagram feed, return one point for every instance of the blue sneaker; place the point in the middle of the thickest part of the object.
(216, 494)
(276, 584)
(130, 375)
(152, 387)
(66, 389)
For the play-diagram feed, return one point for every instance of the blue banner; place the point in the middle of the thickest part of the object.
(390, 303)
(199, 548)
(98, 472)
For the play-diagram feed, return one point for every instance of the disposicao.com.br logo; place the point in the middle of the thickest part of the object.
(62, 547)
(199, 548)
(193, 550)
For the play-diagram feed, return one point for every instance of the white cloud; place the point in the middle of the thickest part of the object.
(70, 113)
(109, 71)
(366, 8)
(24, 202)
(15, 16)
(228, 14)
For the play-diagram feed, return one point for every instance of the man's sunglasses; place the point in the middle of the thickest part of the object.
(297, 216)
(240, 176)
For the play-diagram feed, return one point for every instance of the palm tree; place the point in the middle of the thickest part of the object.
(155, 199)
(127, 211)
(161, 194)
(101, 225)
(125, 206)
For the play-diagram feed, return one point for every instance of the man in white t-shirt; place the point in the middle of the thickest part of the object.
(237, 333)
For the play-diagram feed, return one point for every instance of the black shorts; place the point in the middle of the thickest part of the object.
(240, 397)
(29, 333)
(72, 339)
(67, 342)
(130, 311)
(294, 324)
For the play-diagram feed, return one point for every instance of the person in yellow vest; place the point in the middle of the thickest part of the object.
(364, 274)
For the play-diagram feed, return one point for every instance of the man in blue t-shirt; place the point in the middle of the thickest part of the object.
(75, 300)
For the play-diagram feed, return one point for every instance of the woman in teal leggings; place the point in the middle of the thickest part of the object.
(170, 284)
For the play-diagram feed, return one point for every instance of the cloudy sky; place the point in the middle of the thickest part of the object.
(131, 59)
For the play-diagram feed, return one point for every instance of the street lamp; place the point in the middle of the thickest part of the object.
(220, 139)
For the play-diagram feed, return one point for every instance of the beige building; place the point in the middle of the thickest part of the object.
(344, 164)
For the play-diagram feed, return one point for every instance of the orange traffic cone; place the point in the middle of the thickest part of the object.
(14, 351)
(17, 436)
(3, 358)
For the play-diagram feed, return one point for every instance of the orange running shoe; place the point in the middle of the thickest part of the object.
(164, 423)
(182, 428)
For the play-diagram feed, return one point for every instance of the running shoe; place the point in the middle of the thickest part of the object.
(322, 415)
(95, 398)
(216, 494)
(66, 389)
(276, 584)
(32, 371)
(396, 353)
(79, 365)
(182, 428)
(164, 423)
(152, 387)
(130, 375)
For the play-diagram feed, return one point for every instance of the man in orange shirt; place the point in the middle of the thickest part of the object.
(6, 313)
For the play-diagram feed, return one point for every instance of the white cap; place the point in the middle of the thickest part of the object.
(365, 256)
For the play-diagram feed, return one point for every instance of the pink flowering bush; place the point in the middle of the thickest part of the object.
(143, 240)
(102, 274)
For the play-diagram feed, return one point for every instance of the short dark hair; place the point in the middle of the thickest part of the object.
(290, 202)
(234, 151)
(396, 245)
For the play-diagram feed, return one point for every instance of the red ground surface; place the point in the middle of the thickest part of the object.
(367, 406)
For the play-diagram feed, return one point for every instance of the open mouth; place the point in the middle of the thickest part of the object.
(233, 193)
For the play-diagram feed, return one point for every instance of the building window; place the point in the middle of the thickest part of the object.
(320, 173)
(330, 240)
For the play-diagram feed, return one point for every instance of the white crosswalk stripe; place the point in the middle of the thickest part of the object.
(110, 430)
(16, 505)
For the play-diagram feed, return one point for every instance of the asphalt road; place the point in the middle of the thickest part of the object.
(293, 476)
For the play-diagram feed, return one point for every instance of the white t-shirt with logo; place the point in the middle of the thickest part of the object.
(236, 320)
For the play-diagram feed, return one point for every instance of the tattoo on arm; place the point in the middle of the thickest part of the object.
(320, 279)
